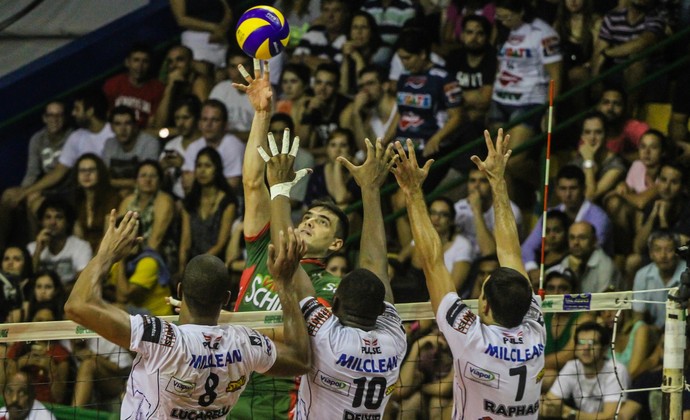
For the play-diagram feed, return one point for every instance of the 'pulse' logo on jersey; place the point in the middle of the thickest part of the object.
(513, 339)
(370, 346)
(210, 342)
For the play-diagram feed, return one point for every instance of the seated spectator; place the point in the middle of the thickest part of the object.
(240, 111)
(634, 341)
(337, 264)
(20, 399)
(186, 113)
(570, 185)
(669, 210)
(555, 241)
(391, 17)
(372, 110)
(300, 14)
(294, 83)
(602, 167)
(94, 197)
(212, 123)
(425, 385)
(680, 112)
(47, 362)
(481, 268)
(457, 249)
(55, 247)
(594, 270)
(578, 28)
(360, 50)
(637, 190)
(454, 21)
(474, 66)
(17, 270)
(331, 179)
(45, 289)
(90, 113)
(209, 210)
(324, 40)
(136, 88)
(317, 116)
(142, 282)
(474, 215)
(663, 272)
(623, 133)
(181, 80)
(155, 207)
(129, 146)
(560, 326)
(626, 31)
(589, 381)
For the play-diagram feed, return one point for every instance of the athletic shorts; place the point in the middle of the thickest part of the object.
(500, 113)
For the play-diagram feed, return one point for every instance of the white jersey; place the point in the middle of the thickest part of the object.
(354, 371)
(191, 371)
(497, 370)
(522, 78)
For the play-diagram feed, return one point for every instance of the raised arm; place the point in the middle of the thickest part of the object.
(85, 305)
(370, 176)
(410, 178)
(505, 230)
(256, 198)
(294, 353)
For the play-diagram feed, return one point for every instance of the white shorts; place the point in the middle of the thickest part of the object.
(203, 50)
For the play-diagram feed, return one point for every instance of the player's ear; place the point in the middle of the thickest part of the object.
(336, 245)
(179, 289)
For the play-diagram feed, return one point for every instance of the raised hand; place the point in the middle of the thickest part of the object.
(375, 168)
(284, 258)
(407, 172)
(280, 165)
(494, 165)
(258, 89)
(119, 241)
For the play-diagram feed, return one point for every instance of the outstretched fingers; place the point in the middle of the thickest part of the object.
(257, 68)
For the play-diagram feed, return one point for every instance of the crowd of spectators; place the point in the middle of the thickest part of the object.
(439, 73)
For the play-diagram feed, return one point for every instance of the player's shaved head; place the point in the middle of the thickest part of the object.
(205, 284)
(360, 294)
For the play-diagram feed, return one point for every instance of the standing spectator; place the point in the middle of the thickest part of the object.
(181, 80)
(570, 191)
(373, 108)
(594, 270)
(602, 167)
(626, 31)
(474, 65)
(186, 113)
(212, 123)
(240, 111)
(294, 83)
(323, 42)
(663, 272)
(623, 133)
(300, 14)
(391, 16)
(56, 248)
(129, 146)
(317, 116)
(20, 399)
(94, 197)
(135, 88)
(205, 24)
(589, 381)
(360, 50)
(474, 215)
(90, 113)
(529, 55)
(155, 207)
(209, 210)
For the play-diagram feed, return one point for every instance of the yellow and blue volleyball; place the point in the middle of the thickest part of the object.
(262, 32)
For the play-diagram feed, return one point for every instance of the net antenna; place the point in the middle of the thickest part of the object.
(547, 166)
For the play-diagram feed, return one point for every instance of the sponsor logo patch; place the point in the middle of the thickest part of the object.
(482, 376)
(349, 415)
(158, 331)
(332, 384)
(179, 387)
(577, 302)
(210, 342)
(236, 385)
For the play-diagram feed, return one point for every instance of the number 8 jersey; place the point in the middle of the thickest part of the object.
(498, 370)
(354, 371)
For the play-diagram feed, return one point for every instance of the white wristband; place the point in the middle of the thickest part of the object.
(281, 189)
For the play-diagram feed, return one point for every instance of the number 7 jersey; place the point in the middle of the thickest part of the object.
(354, 371)
(498, 370)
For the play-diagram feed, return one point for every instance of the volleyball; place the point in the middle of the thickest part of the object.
(262, 32)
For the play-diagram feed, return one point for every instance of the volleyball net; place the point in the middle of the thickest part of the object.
(72, 365)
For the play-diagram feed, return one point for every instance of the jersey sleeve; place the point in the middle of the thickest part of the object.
(145, 274)
(151, 335)
(454, 317)
(550, 46)
(315, 314)
(261, 350)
